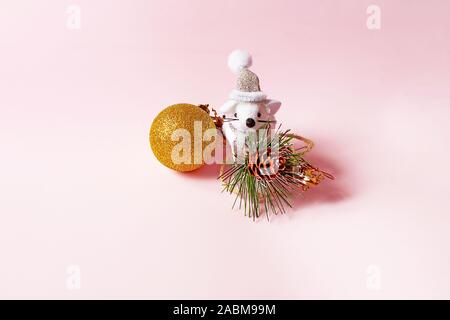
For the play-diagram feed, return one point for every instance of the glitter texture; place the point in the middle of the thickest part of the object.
(166, 122)
(248, 81)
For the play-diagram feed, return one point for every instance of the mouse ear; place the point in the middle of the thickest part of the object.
(272, 106)
(228, 106)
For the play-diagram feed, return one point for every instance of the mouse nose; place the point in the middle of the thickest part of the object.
(250, 122)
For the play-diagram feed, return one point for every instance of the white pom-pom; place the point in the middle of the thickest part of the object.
(239, 60)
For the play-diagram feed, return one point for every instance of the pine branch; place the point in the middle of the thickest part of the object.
(258, 191)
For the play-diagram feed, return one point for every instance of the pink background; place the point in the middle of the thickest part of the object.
(79, 184)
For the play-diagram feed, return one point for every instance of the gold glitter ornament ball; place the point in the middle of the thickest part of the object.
(179, 116)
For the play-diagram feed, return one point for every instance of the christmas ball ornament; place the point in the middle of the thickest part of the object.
(262, 165)
(177, 136)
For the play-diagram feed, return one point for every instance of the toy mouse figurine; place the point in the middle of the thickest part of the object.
(247, 109)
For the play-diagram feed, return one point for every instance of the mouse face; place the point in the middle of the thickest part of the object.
(250, 116)
(242, 118)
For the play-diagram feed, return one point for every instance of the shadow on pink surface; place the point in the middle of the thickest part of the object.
(209, 171)
(323, 157)
(328, 191)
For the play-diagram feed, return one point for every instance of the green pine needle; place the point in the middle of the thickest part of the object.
(266, 194)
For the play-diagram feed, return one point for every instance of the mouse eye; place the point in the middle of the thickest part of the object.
(235, 115)
(259, 114)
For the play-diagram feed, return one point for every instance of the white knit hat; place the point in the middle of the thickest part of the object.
(247, 87)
